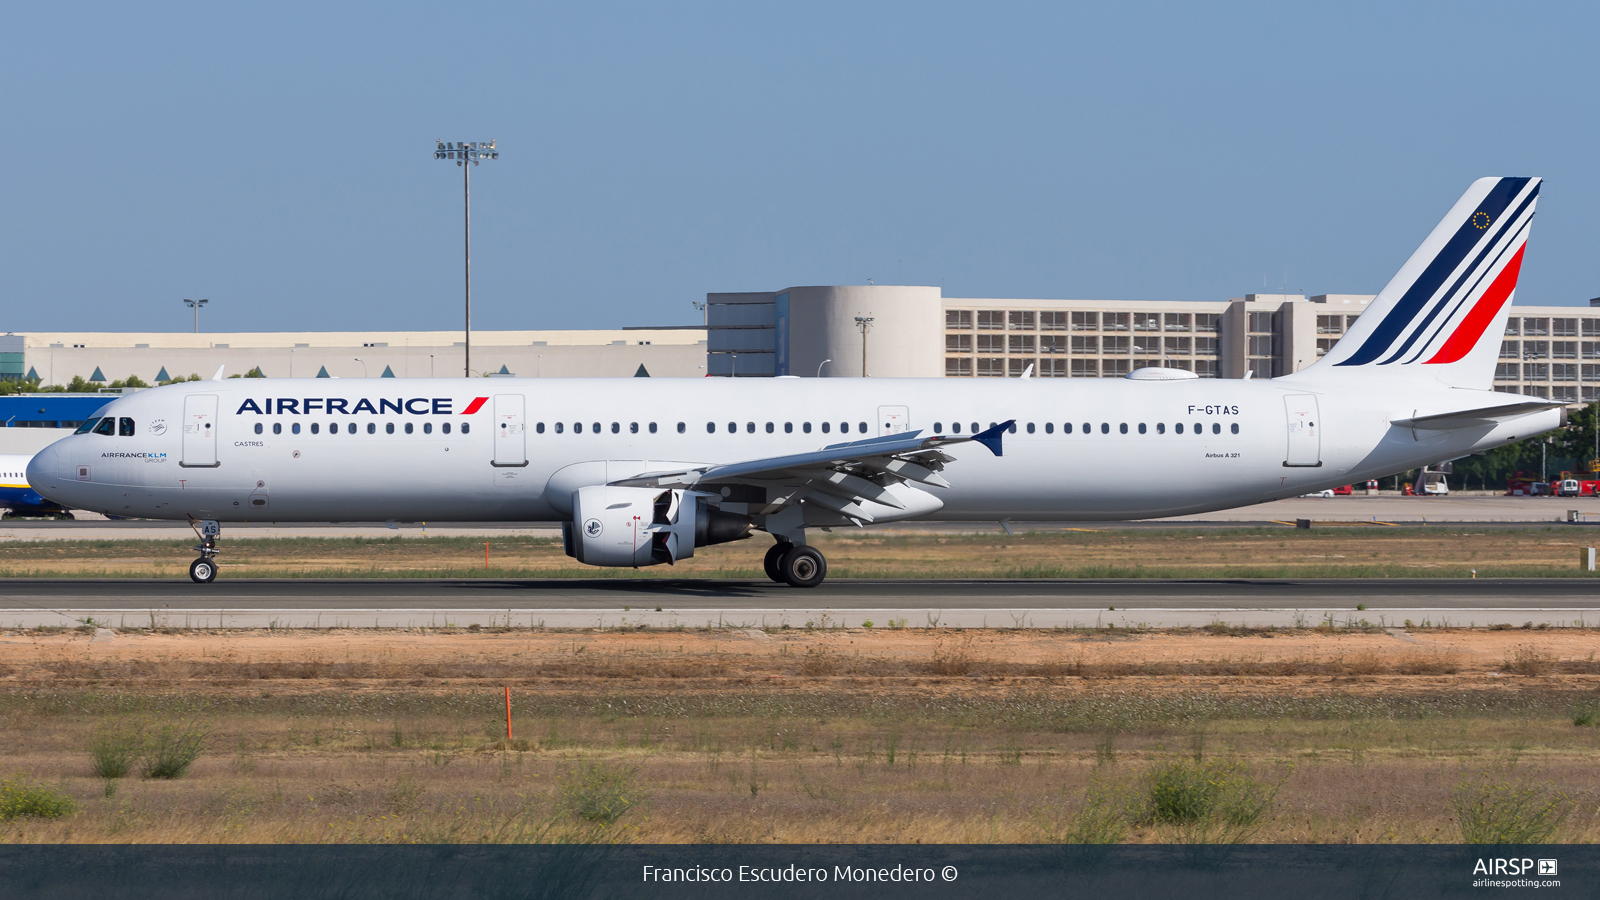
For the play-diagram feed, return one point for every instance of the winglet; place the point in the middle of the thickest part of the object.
(991, 438)
(218, 376)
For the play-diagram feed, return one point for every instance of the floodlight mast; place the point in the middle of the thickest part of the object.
(463, 153)
(195, 305)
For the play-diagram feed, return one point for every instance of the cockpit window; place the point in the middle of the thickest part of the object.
(107, 426)
(87, 426)
(125, 427)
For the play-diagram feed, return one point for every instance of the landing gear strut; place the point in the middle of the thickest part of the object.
(204, 569)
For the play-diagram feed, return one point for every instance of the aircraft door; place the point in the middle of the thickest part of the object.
(199, 432)
(893, 420)
(510, 432)
(1305, 435)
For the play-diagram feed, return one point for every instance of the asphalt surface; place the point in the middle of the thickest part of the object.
(587, 603)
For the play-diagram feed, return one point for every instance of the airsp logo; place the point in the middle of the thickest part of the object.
(592, 528)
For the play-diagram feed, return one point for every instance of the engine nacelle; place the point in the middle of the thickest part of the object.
(632, 526)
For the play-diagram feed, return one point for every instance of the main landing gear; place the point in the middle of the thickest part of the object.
(204, 569)
(795, 565)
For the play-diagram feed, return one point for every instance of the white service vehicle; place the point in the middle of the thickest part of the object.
(645, 471)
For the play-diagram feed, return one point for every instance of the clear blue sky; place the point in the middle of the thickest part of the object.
(277, 157)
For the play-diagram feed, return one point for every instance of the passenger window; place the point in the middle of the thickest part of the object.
(806, 427)
(125, 427)
(1178, 428)
(577, 428)
(277, 428)
(652, 428)
(597, 428)
(258, 428)
(826, 427)
(938, 428)
(975, 428)
(315, 428)
(770, 428)
(388, 427)
(445, 428)
(560, 426)
(1012, 429)
(788, 428)
(861, 427)
(466, 427)
(1161, 428)
(1030, 428)
(1088, 428)
(427, 428)
(295, 428)
(1235, 427)
(372, 428)
(87, 426)
(1123, 428)
(733, 427)
(1105, 427)
(750, 427)
(844, 427)
(1141, 428)
(1049, 428)
(411, 425)
(616, 428)
(955, 427)
(633, 428)
(107, 426)
(711, 428)
(1199, 429)
(1216, 427)
(539, 428)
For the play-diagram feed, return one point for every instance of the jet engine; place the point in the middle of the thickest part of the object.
(634, 526)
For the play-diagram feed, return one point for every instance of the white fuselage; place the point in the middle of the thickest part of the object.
(1189, 446)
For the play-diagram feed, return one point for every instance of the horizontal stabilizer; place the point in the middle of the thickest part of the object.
(1472, 418)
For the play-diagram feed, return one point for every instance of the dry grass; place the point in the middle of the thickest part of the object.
(796, 736)
(1350, 551)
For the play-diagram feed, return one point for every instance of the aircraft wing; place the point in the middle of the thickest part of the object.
(849, 478)
(1470, 418)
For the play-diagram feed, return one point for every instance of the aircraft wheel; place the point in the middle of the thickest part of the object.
(203, 571)
(803, 567)
(774, 559)
(66, 516)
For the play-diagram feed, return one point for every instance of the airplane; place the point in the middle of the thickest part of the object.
(17, 498)
(641, 472)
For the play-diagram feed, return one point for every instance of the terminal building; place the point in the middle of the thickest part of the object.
(826, 331)
(886, 330)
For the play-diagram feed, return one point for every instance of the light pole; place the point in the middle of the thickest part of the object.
(464, 152)
(430, 365)
(363, 366)
(705, 317)
(291, 362)
(865, 324)
(821, 364)
(195, 305)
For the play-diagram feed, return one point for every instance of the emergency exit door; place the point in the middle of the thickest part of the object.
(199, 432)
(510, 431)
(1305, 431)
(893, 419)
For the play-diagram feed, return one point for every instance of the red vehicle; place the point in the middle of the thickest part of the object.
(1345, 491)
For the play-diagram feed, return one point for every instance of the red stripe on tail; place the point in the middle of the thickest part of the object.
(1483, 312)
(474, 406)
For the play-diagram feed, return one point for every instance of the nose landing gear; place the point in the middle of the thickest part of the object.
(204, 569)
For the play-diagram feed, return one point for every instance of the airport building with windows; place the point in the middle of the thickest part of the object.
(888, 330)
(836, 331)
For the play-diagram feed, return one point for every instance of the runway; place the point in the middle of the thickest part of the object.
(660, 603)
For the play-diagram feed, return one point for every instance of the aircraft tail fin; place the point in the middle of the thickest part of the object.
(1443, 314)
